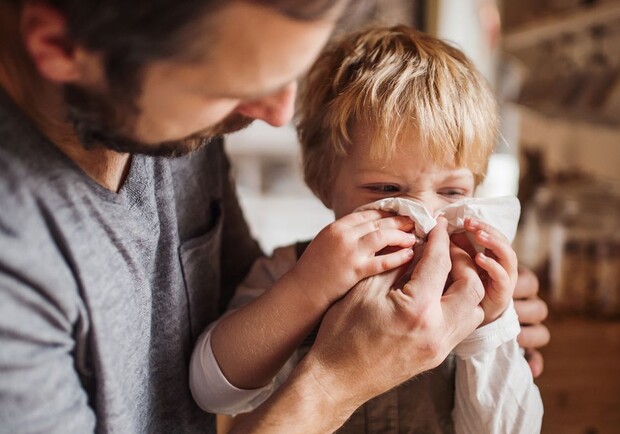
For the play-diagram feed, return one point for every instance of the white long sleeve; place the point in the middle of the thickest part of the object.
(495, 391)
(210, 388)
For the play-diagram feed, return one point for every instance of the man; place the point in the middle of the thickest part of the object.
(113, 259)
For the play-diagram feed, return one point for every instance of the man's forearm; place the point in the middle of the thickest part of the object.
(302, 405)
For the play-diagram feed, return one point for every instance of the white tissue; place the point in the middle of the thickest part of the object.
(502, 213)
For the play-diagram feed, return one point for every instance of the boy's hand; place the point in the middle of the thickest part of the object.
(345, 252)
(499, 265)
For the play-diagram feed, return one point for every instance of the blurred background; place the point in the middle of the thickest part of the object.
(555, 65)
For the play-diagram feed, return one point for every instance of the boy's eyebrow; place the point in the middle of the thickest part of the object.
(459, 176)
(461, 172)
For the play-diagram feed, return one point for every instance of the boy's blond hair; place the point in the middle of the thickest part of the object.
(397, 81)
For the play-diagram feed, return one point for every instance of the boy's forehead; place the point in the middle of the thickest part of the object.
(374, 145)
(375, 149)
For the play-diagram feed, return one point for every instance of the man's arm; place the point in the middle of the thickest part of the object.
(39, 387)
(376, 338)
(41, 320)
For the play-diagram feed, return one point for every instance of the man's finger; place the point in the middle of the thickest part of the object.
(527, 283)
(466, 284)
(378, 284)
(531, 311)
(535, 360)
(432, 271)
(461, 313)
(461, 300)
(462, 240)
(535, 336)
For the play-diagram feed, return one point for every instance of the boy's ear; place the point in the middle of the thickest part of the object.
(47, 41)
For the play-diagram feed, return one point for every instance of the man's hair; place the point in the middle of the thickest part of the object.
(130, 34)
(396, 80)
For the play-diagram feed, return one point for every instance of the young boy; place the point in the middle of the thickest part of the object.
(385, 113)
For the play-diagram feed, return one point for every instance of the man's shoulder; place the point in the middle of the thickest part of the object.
(17, 195)
(27, 198)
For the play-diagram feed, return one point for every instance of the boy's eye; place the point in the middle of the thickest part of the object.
(384, 188)
(453, 192)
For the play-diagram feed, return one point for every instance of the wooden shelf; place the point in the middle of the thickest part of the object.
(572, 116)
(550, 27)
(580, 385)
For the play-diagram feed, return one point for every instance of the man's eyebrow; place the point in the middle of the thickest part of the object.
(250, 96)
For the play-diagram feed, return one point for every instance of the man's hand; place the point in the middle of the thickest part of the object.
(377, 337)
(532, 312)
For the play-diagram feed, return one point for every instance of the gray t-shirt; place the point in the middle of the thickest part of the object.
(102, 294)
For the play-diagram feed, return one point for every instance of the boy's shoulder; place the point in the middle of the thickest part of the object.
(268, 269)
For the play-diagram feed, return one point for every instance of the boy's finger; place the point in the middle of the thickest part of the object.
(474, 225)
(399, 222)
(380, 264)
(370, 216)
(496, 272)
(504, 253)
(363, 216)
(378, 240)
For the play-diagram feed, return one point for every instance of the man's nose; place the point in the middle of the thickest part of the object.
(276, 109)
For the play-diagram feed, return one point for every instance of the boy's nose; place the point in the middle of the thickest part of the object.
(276, 109)
(429, 202)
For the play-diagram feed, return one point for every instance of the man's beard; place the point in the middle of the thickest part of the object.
(101, 121)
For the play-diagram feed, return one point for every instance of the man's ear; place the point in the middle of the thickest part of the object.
(326, 199)
(46, 39)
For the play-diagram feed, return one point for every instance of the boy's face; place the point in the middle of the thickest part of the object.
(361, 180)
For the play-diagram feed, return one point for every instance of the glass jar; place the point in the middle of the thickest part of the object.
(584, 252)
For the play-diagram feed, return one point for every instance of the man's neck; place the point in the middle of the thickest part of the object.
(106, 167)
(43, 103)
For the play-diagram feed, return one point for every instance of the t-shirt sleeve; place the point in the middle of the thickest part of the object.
(40, 390)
